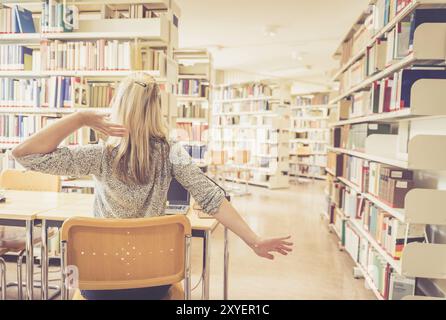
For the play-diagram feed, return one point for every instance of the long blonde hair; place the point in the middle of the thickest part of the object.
(137, 106)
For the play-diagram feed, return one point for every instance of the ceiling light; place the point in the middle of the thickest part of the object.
(296, 56)
(270, 31)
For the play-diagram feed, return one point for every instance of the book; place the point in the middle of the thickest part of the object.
(401, 286)
(24, 19)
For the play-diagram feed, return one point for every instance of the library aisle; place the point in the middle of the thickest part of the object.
(315, 270)
(128, 128)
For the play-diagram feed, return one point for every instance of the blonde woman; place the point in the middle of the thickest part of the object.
(133, 169)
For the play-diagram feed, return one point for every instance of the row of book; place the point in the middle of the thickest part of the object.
(393, 46)
(317, 160)
(99, 55)
(191, 110)
(192, 87)
(255, 135)
(244, 107)
(306, 170)
(304, 149)
(308, 113)
(100, 94)
(379, 15)
(384, 52)
(389, 94)
(311, 100)
(248, 121)
(17, 58)
(308, 124)
(16, 128)
(133, 11)
(318, 135)
(389, 284)
(353, 137)
(245, 91)
(196, 151)
(187, 131)
(389, 232)
(389, 184)
(16, 19)
(55, 92)
(58, 17)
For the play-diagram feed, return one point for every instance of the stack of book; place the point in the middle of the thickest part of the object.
(99, 55)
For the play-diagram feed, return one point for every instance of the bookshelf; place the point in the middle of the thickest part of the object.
(250, 133)
(309, 135)
(387, 120)
(74, 62)
(194, 99)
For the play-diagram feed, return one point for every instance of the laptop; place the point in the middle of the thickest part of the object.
(178, 199)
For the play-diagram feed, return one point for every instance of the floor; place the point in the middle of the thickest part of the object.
(316, 269)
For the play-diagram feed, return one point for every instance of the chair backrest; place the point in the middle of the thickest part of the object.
(115, 254)
(13, 179)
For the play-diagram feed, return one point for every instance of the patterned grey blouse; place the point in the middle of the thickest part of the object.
(115, 199)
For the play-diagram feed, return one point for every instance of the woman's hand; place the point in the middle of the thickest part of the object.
(264, 247)
(99, 122)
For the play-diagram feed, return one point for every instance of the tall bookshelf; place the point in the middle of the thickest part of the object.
(249, 132)
(84, 79)
(194, 99)
(309, 135)
(387, 156)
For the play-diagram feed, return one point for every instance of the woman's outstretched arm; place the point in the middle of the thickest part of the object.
(231, 219)
(212, 199)
(49, 138)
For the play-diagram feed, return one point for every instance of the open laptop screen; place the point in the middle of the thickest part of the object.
(177, 195)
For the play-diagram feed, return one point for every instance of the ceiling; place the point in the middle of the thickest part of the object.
(307, 32)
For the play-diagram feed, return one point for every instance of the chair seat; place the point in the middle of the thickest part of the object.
(13, 239)
(3, 251)
(176, 292)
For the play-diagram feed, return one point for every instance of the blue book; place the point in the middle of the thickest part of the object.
(409, 77)
(24, 20)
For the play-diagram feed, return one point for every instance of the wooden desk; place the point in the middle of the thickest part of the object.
(20, 210)
(68, 205)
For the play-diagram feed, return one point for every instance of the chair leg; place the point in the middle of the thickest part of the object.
(3, 278)
(19, 275)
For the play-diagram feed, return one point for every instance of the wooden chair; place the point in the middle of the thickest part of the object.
(13, 239)
(3, 274)
(113, 254)
(12, 179)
